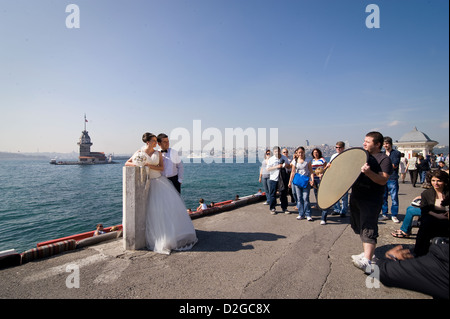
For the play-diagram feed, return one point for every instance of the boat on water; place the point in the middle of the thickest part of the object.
(54, 161)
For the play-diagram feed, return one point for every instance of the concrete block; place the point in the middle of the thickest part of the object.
(135, 190)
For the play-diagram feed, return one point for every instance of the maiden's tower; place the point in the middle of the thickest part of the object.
(86, 156)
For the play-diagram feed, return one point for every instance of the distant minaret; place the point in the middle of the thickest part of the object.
(307, 143)
(85, 141)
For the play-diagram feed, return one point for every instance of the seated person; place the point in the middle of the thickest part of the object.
(99, 230)
(434, 218)
(411, 211)
(202, 205)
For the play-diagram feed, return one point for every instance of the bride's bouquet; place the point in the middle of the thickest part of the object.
(139, 159)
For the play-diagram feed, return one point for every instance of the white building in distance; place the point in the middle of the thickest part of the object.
(415, 142)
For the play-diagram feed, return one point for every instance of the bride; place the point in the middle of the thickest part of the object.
(168, 225)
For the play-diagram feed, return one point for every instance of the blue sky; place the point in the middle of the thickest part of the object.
(312, 69)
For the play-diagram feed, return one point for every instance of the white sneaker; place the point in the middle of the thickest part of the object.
(273, 212)
(383, 217)
(395, 219)
(361, 255)
(286, 212)
(364, 264)
(356, 257)
(309, 219)
(322, 222)
(300, 217)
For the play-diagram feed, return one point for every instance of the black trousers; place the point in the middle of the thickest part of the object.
(427, 274)
(413, 175)
(175, 182)
(364, 217)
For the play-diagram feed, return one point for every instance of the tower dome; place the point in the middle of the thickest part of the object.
(415, 141)
(415, 136)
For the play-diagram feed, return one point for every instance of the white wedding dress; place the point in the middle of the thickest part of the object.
(168, 225)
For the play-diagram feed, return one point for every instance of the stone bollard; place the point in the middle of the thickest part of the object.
(135, 190)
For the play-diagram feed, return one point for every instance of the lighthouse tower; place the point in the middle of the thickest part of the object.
(85, 142)
(86, 156)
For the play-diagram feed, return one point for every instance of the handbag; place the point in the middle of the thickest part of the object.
(300, 180)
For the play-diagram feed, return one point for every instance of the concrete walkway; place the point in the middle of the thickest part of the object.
(246, 253)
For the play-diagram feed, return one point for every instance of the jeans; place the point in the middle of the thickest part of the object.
(316, 189)
(391, 188)
(302, 196)
(273, 185)
(423, 175)
(265, 182)
(411, 211)
(344, 209)
(324, 215)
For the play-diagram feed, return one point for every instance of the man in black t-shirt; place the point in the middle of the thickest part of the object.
(367, 198)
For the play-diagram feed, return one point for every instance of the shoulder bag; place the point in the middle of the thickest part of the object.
(300, 180)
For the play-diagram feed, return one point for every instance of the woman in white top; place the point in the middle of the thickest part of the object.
(412, 169)
(168, 226)
(402, 167)
(264, 176)
(316, 162)
(301, 166)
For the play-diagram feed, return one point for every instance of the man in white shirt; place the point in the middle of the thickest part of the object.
(173, 166)
(440, 158)
(274, 164)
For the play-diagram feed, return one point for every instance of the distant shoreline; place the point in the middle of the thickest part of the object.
(74, 155)
(48, 156)
(16, 156)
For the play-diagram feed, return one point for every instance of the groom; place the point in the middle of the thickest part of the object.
(173, 167)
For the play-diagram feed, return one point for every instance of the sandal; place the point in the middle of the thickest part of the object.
(400, 234)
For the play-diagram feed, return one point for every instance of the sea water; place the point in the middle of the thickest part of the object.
(40, 201)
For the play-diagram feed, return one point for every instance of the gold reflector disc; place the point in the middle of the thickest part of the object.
(340, 176)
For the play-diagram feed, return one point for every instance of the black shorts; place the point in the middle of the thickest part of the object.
(364, 218)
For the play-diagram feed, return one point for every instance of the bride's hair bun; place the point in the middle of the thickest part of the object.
(147, 137)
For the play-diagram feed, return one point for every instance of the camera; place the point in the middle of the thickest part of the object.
(439, 241)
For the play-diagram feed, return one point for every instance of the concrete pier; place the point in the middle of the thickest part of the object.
(245, 253)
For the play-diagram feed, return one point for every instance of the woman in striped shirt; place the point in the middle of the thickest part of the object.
(317, 161)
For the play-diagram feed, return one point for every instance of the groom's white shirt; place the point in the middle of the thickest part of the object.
(172, 164)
